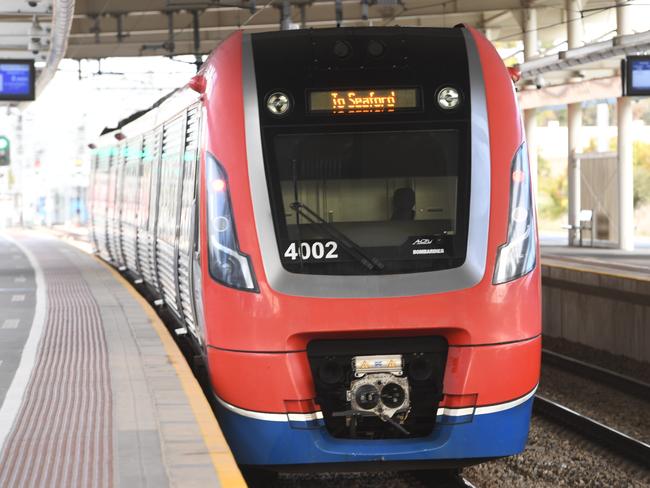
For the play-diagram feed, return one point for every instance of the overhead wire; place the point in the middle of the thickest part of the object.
(102, 13)
(584, 13)
(406, 9)
(256, 13)
(591, 13)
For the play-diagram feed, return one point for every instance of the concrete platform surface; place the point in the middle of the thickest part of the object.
(599, 298)
(93, 391)
(630, 264)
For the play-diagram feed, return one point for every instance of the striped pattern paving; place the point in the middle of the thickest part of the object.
(63, 435)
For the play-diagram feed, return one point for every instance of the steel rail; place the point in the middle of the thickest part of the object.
(617, 441)
(623, 383)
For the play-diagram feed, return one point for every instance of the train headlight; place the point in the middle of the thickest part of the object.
(518, 255)
(448, 98)
(278, 103)
(227, 264)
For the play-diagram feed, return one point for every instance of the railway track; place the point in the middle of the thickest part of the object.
(623, 383)
(598, 432)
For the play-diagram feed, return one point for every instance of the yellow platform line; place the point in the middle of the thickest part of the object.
(220, 454)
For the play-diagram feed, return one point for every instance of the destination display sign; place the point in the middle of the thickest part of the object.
(354, 101)
(16, 80)
(641, 74)
(636, 76)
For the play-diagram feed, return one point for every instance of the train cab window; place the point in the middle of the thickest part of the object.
(368, 202)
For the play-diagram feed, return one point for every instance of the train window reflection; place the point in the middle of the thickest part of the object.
(389, 197)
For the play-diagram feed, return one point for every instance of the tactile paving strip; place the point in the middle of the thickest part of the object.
(63, 433)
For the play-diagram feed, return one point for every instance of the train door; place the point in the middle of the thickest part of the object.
(91, 198)
(185, 271)
(130, 210)
(110, 205)
(143, 241)
(152, 228)
(196, 276)
(100, 206)
(120, 197)
(168, 206)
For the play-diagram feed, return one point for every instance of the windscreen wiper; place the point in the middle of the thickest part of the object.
(352, 247)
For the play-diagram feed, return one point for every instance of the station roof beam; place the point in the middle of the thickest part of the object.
(100, 28)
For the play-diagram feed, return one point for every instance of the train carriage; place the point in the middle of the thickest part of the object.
(342, 222)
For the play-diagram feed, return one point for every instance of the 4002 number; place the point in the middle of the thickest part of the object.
(314, 250)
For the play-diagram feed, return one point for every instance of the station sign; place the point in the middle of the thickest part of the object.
(17, 79)
(636, 76)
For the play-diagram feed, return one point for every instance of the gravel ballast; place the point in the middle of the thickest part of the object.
(557, 457)
(620, 364)
(607, 405)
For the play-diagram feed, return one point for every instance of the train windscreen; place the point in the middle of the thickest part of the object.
(367, 202)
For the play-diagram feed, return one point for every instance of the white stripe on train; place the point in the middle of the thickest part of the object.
(307, 417)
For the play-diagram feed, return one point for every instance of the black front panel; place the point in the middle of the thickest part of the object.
(332, 371)
(379, 182)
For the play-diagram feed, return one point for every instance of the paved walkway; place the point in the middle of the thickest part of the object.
(92, 391)
(630, 264)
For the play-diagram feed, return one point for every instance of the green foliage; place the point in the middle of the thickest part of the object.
(545, 115)
(641, 161)
(5, 151)
(641, 173)
(552, 200)
(553, 189)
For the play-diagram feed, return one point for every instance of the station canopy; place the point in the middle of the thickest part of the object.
(108, 28)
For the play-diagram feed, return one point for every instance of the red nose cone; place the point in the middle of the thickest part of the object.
(197, 83)
(515, 74)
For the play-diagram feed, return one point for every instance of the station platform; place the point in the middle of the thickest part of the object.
(633, 264)
(598, 297)
(93, 390)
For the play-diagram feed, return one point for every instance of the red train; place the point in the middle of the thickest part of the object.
(342, 222)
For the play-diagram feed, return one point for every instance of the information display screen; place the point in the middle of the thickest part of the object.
(637, 76)
(641, 74)
(16, 79)
(359, 101)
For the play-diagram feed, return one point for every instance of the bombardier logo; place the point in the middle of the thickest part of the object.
(422, 242)
(428, 251)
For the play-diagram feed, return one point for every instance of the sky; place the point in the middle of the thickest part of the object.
(71, 112)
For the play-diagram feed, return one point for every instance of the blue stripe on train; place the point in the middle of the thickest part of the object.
(270, 443)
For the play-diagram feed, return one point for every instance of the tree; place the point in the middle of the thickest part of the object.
(641, 173)
(553, 201)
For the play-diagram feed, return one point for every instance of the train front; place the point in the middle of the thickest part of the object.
(371, 289)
